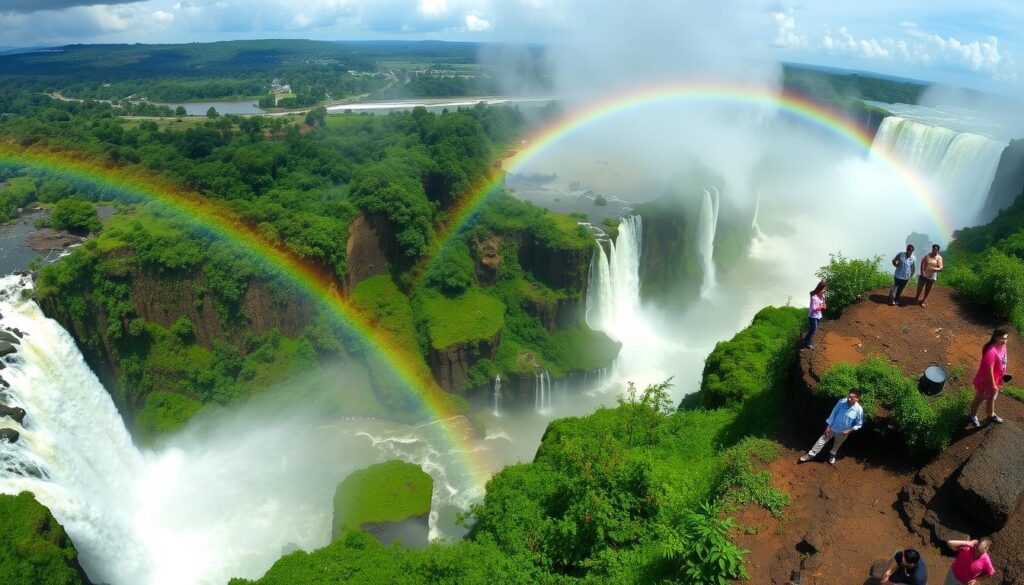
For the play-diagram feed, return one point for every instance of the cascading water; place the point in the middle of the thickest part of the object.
(706, 225)
(542, 392)
(497, 395)
(222, 501)
(961, 164)
(613, 291)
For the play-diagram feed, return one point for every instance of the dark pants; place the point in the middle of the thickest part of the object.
(897, 288)
(812, 328)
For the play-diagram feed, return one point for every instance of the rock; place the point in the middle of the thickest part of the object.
(992, 482)
(6, 348)
(3, 383)
(9, 435)
(814, 541)
(16, 413)
(5, 336)
(17, 332)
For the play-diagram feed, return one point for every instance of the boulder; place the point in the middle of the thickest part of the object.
(992, 482)
(9, 435)
(6, 348)
(16, 413)
(9, 338)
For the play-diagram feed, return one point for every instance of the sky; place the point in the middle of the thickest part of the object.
(975, 43)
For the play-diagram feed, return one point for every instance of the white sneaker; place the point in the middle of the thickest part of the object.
(975, 422)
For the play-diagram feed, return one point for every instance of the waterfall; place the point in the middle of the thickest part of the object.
(613, 290)
(497, 395)
(755, 228)
(706, 224)
(961, 164)
(542, 392)
(219, 500)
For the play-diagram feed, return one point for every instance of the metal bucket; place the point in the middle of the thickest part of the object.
(933, 379)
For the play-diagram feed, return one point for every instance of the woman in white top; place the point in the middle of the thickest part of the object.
(931, 266)
(814, 313)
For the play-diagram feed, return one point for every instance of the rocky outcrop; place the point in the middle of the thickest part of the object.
(991, 485)
(487, 255)
(9, 435)
(6, 348)
(450, 365)
(15, 413)
(371, 249)
(1008, 182)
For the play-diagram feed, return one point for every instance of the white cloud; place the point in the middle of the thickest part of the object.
(476, 24)
(162, 17)
(786, 35)
(432, 8)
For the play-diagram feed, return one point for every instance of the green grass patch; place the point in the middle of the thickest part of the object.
(583, 349)
(466, 318)
(1013, 392)
(117, 229)
(388, 307)
(386, 492)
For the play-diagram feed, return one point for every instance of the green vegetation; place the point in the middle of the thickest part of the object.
(924, 424)
(35, 550)
(848, 279)
(738, 369)
(386, 492)
(163, 413)
(15, 193)
(471, 317)
(631, 494)
(388, 308)
(76, 216)
(845, 89)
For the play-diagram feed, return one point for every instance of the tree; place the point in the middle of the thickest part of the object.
(212, 112)
(317, 115)
(75, 215)
(180, 111)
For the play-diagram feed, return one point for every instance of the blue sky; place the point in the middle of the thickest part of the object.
(966, 42)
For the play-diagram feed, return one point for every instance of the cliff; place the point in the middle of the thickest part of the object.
(370, 250)
(35, 548)
(1008, 182)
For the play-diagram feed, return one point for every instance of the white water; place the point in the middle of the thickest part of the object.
(497, 396)
(223, 501)
(960, 164)
(542, 392)
(706, 226)
(613, 291)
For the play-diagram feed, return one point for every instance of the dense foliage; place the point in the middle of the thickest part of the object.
(631, 494)
(34, 549)
(848, 279)
(843, 88)
(923, 424)
(76, 216)
(386, 492)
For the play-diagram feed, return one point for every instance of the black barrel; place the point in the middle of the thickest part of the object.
(933, 379)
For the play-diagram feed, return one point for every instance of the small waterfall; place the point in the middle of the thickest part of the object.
(707, 223)
(961, 164)
(497, 395)
(755, 228)
(613, 291)
(542, 392)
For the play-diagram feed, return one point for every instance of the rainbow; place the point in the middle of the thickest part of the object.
(219, 220)
(592, 113)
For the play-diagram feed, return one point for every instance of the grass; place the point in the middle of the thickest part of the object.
(163, 413)
(1013, 392)
(386, 492)
(387, 308)
(118, 225)
(469, 317)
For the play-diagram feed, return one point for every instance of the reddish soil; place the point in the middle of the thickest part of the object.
(848, 513)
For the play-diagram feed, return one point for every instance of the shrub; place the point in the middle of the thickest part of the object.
(705, 549)
(995, 282)
(184, 330)
(848, 279)
(75, 215)
(924, 424)
(741, 484)
(34, 549)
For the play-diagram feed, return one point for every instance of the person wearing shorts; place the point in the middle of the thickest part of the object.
(989, 378)
(931, 265)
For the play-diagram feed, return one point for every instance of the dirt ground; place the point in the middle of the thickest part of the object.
(848, 512)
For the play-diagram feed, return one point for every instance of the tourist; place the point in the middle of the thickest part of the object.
(905, 264)
(906, 567)
(931, 265)
(847, 416)
(989, 378)
(972, 564)
(814, 313)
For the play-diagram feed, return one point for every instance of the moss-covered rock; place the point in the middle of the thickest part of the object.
(389, 500)
(34, 549)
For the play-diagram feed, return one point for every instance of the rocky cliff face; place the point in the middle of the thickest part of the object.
(1008, 183)
(371, 248)
(450, 365)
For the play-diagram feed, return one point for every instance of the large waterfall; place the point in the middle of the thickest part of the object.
(707, 223)
(223, 500)
(613, 290)
(961, 164)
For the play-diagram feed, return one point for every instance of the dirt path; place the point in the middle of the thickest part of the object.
(848, 512)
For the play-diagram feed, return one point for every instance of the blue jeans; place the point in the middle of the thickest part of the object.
(898, 284)
(812, 328)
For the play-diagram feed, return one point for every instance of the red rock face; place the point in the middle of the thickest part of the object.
(370, 249)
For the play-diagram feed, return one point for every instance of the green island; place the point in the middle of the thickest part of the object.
(382, 495)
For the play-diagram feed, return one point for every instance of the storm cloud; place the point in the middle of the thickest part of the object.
(39, 5)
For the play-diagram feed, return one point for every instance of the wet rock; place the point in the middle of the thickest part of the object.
(16, 413)
(18, 332)
(9, 338)
(6, 348)
(3, 383)
(992, 482)
(9, 435)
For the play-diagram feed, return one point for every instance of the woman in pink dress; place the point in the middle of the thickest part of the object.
(972, 564)
(989, 378)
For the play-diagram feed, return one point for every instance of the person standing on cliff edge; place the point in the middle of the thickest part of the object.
(817, 305)
(905, 264)
(931, 266)
(847, 416)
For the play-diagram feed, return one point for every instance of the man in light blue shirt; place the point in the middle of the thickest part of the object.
(846, 417)
(905, 264)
